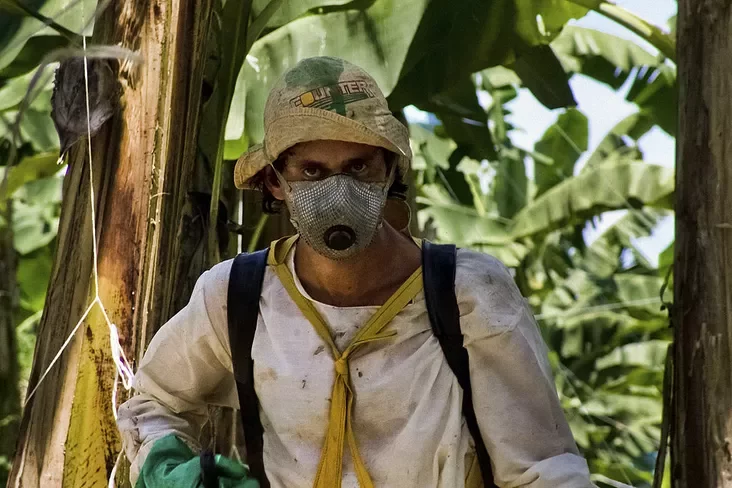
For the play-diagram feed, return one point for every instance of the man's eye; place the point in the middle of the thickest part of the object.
(358, 167)
(311, 172)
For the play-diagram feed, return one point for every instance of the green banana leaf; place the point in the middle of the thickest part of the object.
(42, 165)
(608, 187)
(30, 55)
(563, 142)
(398, 43)
(463, 118)
(34, 270)
(539, 21)
(36, 212)
(542, 73)
(464, 226)
(481, 35)
(510, 186)
(289, 10)
(18, 26)
(613, 60)
(604, 57)
(614, 146)
(377, 39)
(603, 255)
(648, 354)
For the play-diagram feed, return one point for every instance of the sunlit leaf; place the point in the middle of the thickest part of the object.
(464, 119)
(608, 187)
(564, 142)
(613, 60)
(34, 270)
(461, 224)
(289, 10)
(376, 39)
(510, 183)
(29, 169)
(17, 29)
(616, 142)
(602, 257)
(647, 354)
(539, 21)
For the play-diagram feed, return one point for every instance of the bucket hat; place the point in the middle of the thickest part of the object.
(324, 98)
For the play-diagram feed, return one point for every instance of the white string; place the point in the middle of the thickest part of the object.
(598, 308)
(110, 482)
(585, 413)
(122, 366)
(58, 354)
(91, 168)
(118, 354)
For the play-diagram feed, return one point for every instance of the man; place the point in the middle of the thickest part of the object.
(353, 387)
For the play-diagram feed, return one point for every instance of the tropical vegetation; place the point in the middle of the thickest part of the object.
(598, 304)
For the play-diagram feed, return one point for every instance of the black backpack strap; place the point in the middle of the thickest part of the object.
(245, 288)
(438, 264)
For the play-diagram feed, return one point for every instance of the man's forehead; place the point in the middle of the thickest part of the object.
(331, 151)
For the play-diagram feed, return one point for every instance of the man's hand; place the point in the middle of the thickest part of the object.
(172, 464)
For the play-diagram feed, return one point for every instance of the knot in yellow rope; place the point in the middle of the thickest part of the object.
(341, 366)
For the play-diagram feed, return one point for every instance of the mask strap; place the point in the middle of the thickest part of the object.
(283, 182)
(390, 177)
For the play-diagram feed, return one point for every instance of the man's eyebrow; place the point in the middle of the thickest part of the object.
(309, 162)
(356, 159)
(364, 158)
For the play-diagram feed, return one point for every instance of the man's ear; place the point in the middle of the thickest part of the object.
(273, 184)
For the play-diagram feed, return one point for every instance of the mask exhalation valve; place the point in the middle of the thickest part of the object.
(339, 237)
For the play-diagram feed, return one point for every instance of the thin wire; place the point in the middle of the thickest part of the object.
(585, 413)
(91, 170)
(110, 482)
(598, 308)
(566, 373)
(58, 354)
(579, 152)
(594, 394)
(122, 365)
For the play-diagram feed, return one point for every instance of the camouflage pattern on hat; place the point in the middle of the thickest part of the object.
(322, 80)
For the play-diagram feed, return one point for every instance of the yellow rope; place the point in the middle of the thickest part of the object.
(340, 424)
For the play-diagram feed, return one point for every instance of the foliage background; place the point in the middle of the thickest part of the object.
(480, 182)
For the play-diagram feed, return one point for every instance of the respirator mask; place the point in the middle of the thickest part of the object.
(339, 215)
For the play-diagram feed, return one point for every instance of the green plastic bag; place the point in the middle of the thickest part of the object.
(172, 464)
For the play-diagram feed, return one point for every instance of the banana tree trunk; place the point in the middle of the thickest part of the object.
(702, 316)
(142, 164)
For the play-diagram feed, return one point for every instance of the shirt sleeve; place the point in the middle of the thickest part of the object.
(514, 397)
(186, 367)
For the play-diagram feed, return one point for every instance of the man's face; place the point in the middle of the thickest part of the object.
(316, 160)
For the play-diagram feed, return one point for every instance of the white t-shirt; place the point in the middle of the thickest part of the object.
(407, 412)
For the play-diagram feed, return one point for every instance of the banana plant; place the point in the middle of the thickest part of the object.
(597, 303)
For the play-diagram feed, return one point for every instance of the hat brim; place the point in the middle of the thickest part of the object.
(307, 124)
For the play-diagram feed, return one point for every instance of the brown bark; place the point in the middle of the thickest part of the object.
(702, 316)
(143, 160)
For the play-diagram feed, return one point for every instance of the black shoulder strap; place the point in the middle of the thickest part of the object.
(438, 263)
(245, 288)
